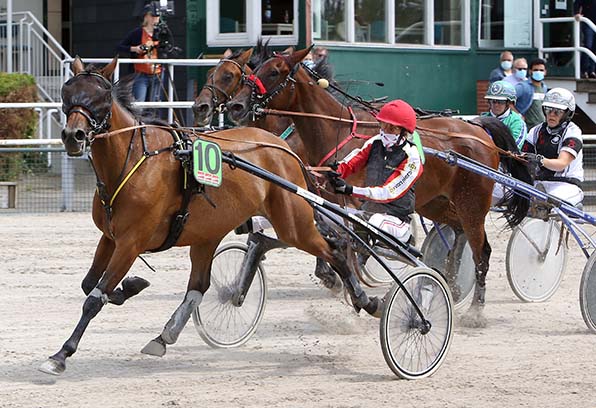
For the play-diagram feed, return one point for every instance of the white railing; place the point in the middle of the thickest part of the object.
(34, 51)
(577, 49)
(168, 64)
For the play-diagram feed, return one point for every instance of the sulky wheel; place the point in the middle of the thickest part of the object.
(587, 293)
(435, 253)
(218, 320)
(536, 259)
(411, 348)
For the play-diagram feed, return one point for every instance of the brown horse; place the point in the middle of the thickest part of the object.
(445, 194)
(224, 80)
(135, 216)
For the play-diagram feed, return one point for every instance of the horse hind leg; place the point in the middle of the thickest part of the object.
(328, 250)
(201, 257)
(474, 316)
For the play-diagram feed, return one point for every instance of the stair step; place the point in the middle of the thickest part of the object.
(585, 85)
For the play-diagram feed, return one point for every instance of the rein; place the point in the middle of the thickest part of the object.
(352, 135)
(193, 132)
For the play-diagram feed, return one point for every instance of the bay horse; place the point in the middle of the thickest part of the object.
(134, 212)
(222, 82)
(445, 194)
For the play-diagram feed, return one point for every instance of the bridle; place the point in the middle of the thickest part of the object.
(260, 96)
(214, 89)
(89, 113)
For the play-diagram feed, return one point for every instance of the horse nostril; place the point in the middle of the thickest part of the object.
(201, 108)
(79, 135)
(237, 107)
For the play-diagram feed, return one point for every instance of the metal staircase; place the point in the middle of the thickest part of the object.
(35, 52)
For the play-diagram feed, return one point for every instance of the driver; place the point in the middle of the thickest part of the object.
(555, 147)
(501, 98)
(393, 164)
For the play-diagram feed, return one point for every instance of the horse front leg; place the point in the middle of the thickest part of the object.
(119, 264)
(201, 258)
(103, 254)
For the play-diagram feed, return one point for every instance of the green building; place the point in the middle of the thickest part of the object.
(435, 54)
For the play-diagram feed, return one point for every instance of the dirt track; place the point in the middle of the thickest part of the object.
(310, 350)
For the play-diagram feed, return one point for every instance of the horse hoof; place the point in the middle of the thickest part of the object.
(133, 285)
(374, 307)
(52, 367)
(336, 287)
(155, 347)
(474, 318)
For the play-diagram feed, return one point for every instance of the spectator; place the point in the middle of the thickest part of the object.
(531, 93)
(308, 61)
(586, 8)
(139, 42)
(320, 57)
(519, 73)
(320, 53)
(504, 69)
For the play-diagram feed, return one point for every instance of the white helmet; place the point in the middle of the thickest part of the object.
(560, 98)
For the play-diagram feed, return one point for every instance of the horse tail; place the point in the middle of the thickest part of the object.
(516, 206)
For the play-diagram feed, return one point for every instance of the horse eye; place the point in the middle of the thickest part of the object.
(227, 77)
(273, 73)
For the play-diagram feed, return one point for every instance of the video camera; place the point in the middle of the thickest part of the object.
(166, 47)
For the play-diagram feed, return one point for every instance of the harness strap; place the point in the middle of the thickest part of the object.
(125, 180)
(352, 135)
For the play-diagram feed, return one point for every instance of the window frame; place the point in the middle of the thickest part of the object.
(253, 27)
(500, 44)
(390, 29)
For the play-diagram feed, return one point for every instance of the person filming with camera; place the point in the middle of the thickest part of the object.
(141, 43)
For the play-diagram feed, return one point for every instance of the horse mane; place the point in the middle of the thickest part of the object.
(262, 52)
(122, 93)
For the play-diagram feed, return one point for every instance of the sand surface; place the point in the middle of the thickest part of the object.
(311, 350)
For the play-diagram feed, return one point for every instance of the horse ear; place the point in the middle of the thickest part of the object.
(108, 70)
(288, 50)
(299, 55)
(245, 57)
(77, 65)
(227, 53)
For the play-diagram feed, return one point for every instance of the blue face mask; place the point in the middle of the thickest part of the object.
(309, 63)
(521, 74)
(538, 76)
(506, 65)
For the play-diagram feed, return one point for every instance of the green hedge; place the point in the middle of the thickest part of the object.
(13, 82)
(16, 123)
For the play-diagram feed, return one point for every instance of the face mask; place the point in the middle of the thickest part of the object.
(538, 76)
(309, 64)
(521, 74)
(506, 65)
(388, 139)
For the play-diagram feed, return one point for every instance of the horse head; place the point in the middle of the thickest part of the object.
(268, 86)
(223, 81)
(87, 104)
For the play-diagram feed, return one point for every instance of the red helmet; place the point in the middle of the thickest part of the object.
(398, 113)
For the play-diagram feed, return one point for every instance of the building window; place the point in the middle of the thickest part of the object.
(409, 22)
(505, 24)
(370, 23)
(421, 22)
(241, 22)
